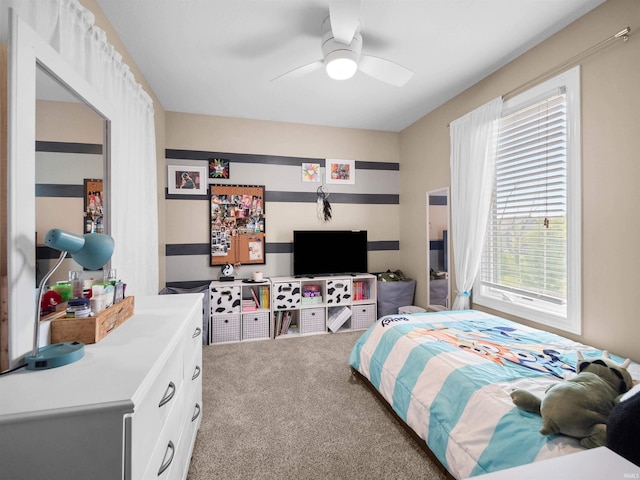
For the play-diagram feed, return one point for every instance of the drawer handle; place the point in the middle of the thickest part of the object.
(197, 412)
(166, 463)
(197, 332)
(168, 394)
(196, 373)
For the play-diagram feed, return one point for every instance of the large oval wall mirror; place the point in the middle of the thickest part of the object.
(46, 192)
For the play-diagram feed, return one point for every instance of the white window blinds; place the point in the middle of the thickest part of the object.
(526, 249)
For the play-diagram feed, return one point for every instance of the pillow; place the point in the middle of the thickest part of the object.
(623, 428)
(631, 392)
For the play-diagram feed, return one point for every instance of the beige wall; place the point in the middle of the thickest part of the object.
(220, 134)
(610, 146)
(223, 134)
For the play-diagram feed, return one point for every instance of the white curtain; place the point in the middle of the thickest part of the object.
(69, 28)
(473, 156)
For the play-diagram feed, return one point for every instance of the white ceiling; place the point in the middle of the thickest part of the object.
(218, 57)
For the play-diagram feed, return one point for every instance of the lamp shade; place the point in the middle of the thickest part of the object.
(91, 250)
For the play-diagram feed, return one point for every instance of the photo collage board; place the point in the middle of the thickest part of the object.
(237, 224)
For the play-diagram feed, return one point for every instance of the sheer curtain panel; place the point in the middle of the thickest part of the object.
(69, 28)
(473, 157)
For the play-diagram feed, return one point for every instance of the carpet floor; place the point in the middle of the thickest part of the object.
(290, 409)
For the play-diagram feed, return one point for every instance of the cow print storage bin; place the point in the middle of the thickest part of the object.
(286, 296)
(338, 292)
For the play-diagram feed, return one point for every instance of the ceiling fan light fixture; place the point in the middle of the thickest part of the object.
(341, 64)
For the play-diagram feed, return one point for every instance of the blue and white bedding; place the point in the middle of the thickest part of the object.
(449, 375)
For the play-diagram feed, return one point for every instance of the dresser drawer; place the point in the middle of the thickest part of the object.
(165, 454)
(339, 292)
(286, 295)
(193, 346)
(151, 414)
(225, 299)
(190, 425)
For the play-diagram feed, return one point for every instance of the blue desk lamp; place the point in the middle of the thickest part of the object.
(91, 251)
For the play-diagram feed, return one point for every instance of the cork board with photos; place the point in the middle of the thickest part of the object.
(237, 224)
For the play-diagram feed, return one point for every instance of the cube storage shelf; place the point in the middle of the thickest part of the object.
(239, 311)
(286, 307)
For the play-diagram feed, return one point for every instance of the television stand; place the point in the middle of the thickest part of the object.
(311, 301)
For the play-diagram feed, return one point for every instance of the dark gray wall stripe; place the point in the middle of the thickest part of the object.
(377, 165)
(312, 197)
(437, 199)
(383, 245)
(59, 190)
(68, 147)
(174, 196)
(46, 253)
(177, 249)
(189, 284)
(286, 247)
(309, 197)
(268, 159)
(238, 157)
(436, 245)
(188, 249)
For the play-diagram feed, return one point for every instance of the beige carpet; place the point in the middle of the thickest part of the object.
(290, 409)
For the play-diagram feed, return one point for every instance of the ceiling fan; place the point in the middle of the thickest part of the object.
(342, 50)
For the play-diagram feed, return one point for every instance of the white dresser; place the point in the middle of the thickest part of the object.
(129, 409)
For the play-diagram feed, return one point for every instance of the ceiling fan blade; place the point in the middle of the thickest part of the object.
(301, 71)
(345, 19)
(384, 70)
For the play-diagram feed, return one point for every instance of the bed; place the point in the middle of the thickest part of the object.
(448, 377)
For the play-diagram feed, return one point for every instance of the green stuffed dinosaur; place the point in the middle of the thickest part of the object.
(580, 406)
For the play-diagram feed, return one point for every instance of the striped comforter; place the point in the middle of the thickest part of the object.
(448, 375)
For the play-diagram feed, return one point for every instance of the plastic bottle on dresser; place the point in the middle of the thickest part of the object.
(98, 299)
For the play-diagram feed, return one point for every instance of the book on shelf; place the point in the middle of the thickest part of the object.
(284, 323)
(255, 298)
(264, 296)
(361, 290)
(248, 305)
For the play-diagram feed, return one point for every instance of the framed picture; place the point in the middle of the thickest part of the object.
(187, 180)
(93, 206)
(219, 168)
(310, 172)
(340, 171)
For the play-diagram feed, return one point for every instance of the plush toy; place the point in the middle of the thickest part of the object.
(580, 406)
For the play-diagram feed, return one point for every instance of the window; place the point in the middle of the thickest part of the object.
(531, 258)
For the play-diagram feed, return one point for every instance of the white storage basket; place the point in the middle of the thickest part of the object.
(225, 328)
(363, 316)
(312, 320)
(255, 325)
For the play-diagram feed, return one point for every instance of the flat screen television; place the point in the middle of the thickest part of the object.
(328, 252)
